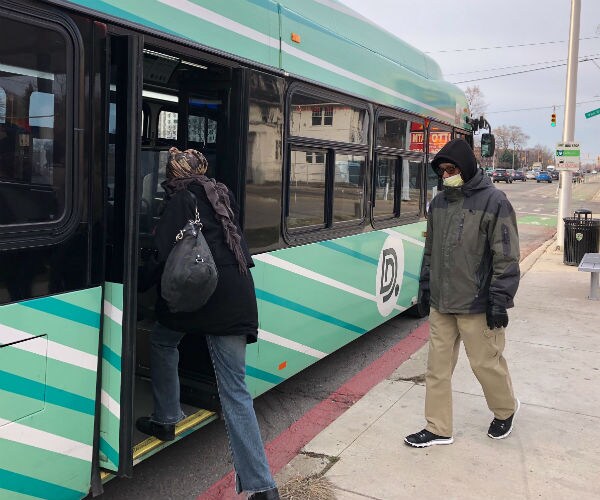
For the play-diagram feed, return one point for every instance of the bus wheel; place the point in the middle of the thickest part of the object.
(417, 311)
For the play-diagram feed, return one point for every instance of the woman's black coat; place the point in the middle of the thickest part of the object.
(231, 310)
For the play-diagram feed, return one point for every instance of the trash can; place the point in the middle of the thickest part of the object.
(582, 235)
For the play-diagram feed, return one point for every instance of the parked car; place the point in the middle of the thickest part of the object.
(501, 174)
(555, 174)
(530, 175)
(519, 175)
(544, 176)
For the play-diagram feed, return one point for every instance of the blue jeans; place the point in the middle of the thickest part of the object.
(228, 355)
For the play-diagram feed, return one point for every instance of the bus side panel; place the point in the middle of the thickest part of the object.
(315, 298)
(361, 71)
(112, 336)
(247, 29)
(48, 368)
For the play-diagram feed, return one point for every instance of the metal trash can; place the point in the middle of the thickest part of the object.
(582, 235)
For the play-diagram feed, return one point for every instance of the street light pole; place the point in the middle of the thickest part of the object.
(565, 180)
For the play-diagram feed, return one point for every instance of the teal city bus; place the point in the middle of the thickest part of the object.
(321, 123)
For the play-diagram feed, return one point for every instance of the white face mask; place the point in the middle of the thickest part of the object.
(453, 181)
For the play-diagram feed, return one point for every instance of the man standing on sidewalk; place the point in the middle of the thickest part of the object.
(469, 277)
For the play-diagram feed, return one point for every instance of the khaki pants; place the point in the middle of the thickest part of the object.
(484, 350)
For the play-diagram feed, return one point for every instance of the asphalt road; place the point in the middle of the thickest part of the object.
(187, 468)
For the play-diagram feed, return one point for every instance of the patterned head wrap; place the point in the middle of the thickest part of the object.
(189, 167)
(185, 163)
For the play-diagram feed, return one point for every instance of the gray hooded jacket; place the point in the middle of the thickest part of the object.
(471, 256)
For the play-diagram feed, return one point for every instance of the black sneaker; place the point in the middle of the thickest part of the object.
(499, 429)
(164, 432)
(426, 438)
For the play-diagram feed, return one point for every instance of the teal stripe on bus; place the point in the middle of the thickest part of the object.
(26, 485)
(352, 253)
(109, 451)
(35, 390)
(294, 306)
(65, 310)
(263, 375)
(411, 276)
(112, 357)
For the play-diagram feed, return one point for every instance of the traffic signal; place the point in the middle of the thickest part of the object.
(553, 120)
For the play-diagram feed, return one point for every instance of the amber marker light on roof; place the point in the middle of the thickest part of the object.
(296, 38)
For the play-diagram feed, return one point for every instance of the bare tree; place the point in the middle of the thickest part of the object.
(518, 139)
(542, 154)
(476, 101)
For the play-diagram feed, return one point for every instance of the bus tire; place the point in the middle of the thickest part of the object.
(417, 311)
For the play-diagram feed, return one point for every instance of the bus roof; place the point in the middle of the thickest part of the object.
(333, 45)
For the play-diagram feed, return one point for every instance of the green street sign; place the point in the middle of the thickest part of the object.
(567, 152)
(589, 114)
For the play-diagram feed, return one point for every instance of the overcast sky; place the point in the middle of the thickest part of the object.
(435, 26)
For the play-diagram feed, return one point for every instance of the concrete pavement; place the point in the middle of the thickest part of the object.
(553, 352)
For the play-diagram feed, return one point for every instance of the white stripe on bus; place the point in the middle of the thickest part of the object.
(110, 404)
(404, 237)
(18, 433)
(240, 29)
(55, 350)
(302, 271)
(290, 344)
(113, 312)
(229, 24)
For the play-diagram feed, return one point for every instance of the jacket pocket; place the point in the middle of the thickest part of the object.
(505, 241)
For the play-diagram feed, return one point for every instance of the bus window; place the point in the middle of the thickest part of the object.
(348, 187)
(395, 132)
(439, 135)
(167, 125)
(328, 119)
(410, 204)
(33, 117)
(2, 105)
(397, 183)
(385, 186)
(329, 139)
(307, 189)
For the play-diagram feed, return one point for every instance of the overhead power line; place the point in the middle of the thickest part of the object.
(582, 58)
(521, 72)
(507, 46)
(539, 107)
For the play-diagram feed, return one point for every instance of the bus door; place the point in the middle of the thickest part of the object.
(188, 101)
(122, 95)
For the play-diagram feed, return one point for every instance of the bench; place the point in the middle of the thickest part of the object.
(591, 264)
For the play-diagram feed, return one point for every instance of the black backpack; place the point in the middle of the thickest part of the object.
(190, 275)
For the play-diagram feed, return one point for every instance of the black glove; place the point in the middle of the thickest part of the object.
(496, 316)
(424, 300)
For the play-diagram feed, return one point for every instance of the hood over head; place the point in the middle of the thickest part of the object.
(459, 153)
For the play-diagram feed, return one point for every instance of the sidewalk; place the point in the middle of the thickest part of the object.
(553, 352)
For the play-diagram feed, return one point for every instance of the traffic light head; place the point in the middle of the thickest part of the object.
(553, 120)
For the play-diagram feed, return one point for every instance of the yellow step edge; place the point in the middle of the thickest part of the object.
(186, 424)
(149, 444)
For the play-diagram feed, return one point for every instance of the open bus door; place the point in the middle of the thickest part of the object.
(122, 90)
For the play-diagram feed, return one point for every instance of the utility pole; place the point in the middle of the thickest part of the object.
(565, 180)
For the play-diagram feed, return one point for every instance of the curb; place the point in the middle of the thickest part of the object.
(527, 263)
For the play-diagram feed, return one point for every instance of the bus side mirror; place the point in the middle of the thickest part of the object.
(488, 145)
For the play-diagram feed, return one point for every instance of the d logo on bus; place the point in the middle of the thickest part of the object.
(390, 271)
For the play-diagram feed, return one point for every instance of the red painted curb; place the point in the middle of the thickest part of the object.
(282, 449)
